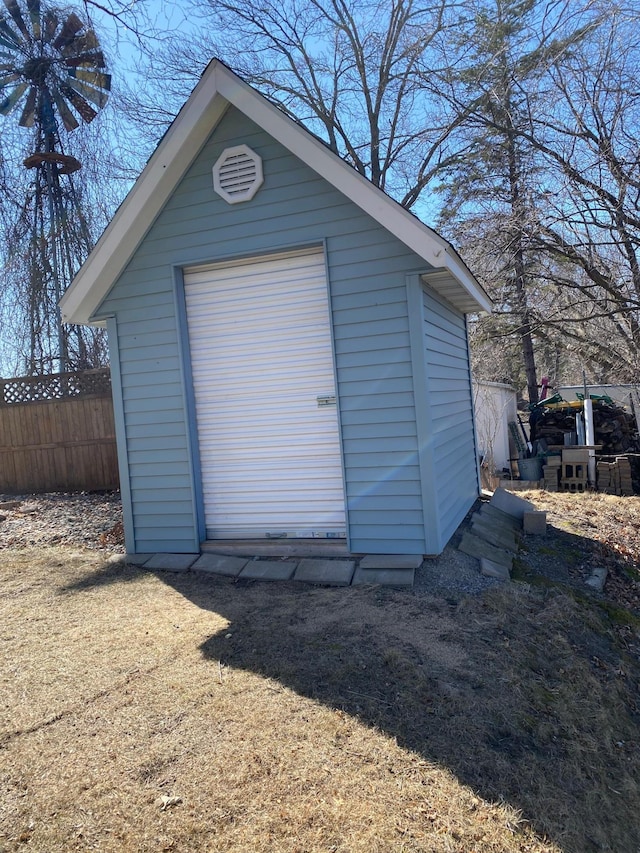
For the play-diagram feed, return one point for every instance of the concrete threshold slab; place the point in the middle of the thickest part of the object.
(137, 559)
(171, 562)
(326, 572)
(268, 570)
(220, 564)
(384, 577)
(277, 547)
(391, 561)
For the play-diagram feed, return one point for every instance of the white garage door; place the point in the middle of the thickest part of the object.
(264, 389)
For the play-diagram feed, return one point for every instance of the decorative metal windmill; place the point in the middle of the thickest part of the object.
(52, 72)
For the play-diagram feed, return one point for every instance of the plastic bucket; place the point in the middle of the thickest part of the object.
(530, 469)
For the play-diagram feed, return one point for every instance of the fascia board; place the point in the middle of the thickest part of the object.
(182, 142)
(174, 155)
(436, 251)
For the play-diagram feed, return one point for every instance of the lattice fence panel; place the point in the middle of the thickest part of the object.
(56, 386)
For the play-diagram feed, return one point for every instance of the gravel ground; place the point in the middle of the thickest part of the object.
(95, 521)
(89, 520)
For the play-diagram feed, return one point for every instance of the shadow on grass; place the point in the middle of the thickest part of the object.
(106, 575)
(522, 693)
(519, 694)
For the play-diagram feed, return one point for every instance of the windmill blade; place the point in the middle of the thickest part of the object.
(6, 43)
(34, 13)
(85, 42)
(84, 110)
(68, 119)
(11, 100)
(14, 11)
(28, 117)
(9, 78)
(50, 21)
(88, 59)
(94, 95)
(71, 26)
(94, 78)
(10, 38)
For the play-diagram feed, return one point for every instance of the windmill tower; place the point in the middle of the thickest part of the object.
(52, 77)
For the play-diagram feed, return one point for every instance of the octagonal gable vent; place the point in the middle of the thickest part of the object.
(237, 174)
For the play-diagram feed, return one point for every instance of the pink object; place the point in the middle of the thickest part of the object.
(545, 385)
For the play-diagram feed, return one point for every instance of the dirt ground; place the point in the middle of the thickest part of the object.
(149, 712)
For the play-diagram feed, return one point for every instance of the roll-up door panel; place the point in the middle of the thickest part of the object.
(262, 365)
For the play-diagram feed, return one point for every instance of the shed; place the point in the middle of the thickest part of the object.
(288, 345)
(495, 407)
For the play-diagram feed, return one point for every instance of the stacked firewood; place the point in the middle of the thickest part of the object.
(614, 428)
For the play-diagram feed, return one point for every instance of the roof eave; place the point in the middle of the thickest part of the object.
(471, 299)
(217, 89)
(174, 155)
(404, 225)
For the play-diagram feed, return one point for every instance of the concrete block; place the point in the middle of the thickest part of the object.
(575, 456)
(511, 504)
(534, 523)
(391, 561)
(327, 572)
(499, 536)
(171, 562)
(384, 577)
(573, 485)
(479, 548)
(487, 510)
(269, 570)
(597, 579)
(220, 564)
(137, 559)
(494, 570)
(511, 530)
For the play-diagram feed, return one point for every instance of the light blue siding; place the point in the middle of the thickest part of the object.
(451, 413)
(367, 267)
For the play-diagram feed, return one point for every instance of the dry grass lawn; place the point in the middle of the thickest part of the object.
(143, 712)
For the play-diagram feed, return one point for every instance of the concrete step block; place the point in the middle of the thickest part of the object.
(171, 562)
(489, 511)
(535, 523)
(325, 572)
(137, 559)
(511, 504)
(268, 570)
(500, 537)
(479, 548)
(494, 570)
(391, 561)
(220, 564)
(384, 577)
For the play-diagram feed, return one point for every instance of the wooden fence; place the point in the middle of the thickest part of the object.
(57, 433)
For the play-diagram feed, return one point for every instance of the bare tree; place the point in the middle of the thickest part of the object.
(350, 71)
(573, 122)
(493, 79)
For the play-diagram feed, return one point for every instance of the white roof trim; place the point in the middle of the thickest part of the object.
(218, 87)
